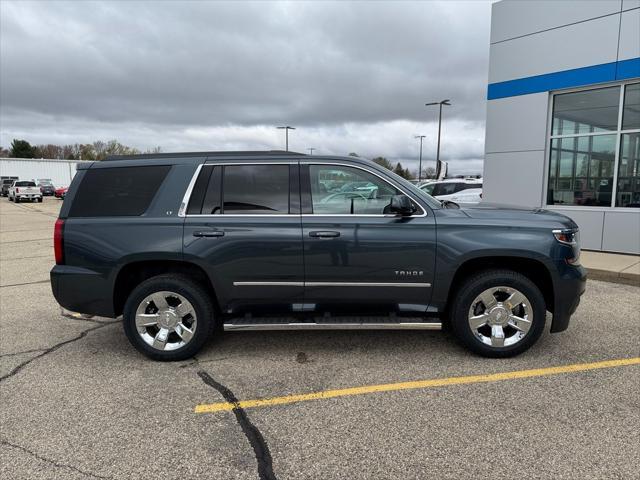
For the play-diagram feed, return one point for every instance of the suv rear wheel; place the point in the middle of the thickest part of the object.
(498, 313)
(169, 317)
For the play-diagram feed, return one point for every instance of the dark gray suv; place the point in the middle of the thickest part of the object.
(184, 246)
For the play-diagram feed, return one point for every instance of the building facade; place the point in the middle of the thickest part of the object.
(563, 114)
(61, 172)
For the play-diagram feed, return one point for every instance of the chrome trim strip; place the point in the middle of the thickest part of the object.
(331, 284)
(366, 284)
(187, 195)
(182, 211)
(335, 326)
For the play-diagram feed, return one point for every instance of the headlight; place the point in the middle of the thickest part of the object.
(570, 237)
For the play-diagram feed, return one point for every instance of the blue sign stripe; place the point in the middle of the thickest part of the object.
(576, 77)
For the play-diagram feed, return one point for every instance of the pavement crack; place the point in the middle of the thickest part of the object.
(24, 352)
(51, 350)
(52, 462)
(257, 441)
(26, 283)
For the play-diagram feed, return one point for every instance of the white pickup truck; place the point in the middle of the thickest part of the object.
(24, 190)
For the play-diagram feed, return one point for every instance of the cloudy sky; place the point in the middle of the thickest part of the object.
(350, 76)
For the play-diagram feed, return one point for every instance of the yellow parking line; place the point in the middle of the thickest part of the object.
(438, 382)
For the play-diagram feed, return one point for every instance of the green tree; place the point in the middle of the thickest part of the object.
(22, 149)
(399, 170)
(383, 162)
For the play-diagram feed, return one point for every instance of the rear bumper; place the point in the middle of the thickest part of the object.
(82, 290)
(568, 290)
(28, 196)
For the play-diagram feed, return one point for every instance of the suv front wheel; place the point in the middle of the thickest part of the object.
(169, 317)
(498, 313)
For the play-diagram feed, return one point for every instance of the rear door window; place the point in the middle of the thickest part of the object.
(119, 191)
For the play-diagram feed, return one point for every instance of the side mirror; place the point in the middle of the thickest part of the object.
(401, 204)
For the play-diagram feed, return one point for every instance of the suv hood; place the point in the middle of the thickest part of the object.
(511, 213)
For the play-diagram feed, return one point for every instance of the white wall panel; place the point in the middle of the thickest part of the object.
(627, 4)
(622, 232)
(629, 35)
(514, 178)
(61, 172)
(517, 123)
(511, 18)
(590, 223)
(584, 44)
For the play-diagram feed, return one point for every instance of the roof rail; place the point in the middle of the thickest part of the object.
(248, 153)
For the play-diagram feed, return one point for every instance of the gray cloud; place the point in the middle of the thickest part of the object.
(339, 71)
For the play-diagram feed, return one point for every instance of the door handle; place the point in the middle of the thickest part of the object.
(209, 233)
(324, 234)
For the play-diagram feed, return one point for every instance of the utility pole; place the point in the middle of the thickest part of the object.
(286, 128)
(421, 137)
(440, 104)
(311, 150)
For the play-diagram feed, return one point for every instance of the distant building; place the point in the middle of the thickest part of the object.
(61, 172)
(563, 114)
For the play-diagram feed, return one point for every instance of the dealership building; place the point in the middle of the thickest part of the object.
(60, 172)
(563, 114)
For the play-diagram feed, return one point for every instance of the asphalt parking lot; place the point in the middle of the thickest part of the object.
(77, 401)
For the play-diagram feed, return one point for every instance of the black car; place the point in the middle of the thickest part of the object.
(6, 184)
(46, 186)
(184, 246)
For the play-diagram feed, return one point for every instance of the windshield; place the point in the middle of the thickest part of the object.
(7, 182)
(44, 181)
(25, 184)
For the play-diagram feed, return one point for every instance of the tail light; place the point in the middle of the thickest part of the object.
(41, 190)
(58, 241)
(17, 190)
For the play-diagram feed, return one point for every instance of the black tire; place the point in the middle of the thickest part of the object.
(16, 200)
(40, 200)
(477, 284)
(194, 293)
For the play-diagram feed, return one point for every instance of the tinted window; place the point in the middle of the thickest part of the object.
(25, 184)
(122, 191)
(199, 190)
(346, 190)
(256, 189)
(212, 204)
(444, 189)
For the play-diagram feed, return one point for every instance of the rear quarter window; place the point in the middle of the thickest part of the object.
(118, 191)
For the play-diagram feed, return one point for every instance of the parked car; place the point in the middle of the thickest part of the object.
(24, 190)
(459, 190)
(46, 186)
(184, 246)
(60, 192)
(7, 183)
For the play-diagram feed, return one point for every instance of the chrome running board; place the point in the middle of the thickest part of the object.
(334, 326)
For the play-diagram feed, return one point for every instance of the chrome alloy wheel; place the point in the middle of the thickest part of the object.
(500, 316)
(166, 320)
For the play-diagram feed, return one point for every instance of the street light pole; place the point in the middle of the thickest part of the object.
(311, 150)
(286, 129)
(440, 104)
(421, 137)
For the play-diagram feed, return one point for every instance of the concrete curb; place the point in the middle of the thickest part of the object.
(613, 277)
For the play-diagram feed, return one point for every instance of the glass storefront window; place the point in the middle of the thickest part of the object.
(584, 153)
(584, 172)
(631, 109)
(628, 190)
(586, 112)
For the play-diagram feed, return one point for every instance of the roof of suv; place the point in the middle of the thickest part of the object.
(249, 153)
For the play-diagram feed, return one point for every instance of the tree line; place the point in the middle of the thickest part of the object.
(398, 169)
(78, 151)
